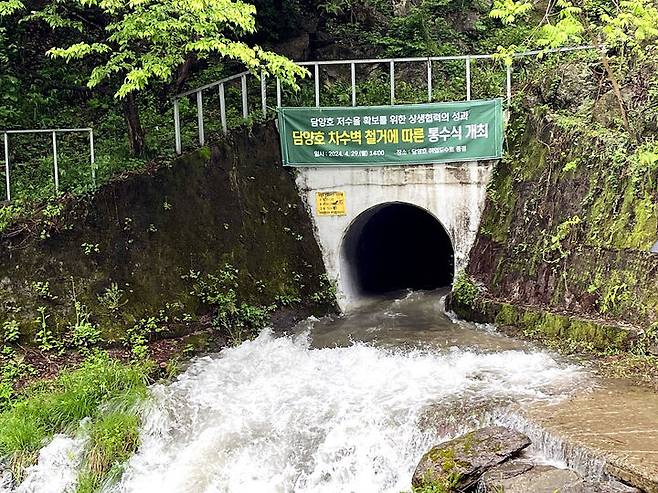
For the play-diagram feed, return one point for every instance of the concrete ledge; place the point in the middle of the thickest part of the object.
(615, 424)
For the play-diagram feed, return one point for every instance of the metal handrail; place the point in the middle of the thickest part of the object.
(54, 132)
(352, 63)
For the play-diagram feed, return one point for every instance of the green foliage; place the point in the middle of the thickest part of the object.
(287, 299)
(509, 11)
(465, 290)
(566, 28)
(629, 23)
(241, 319)
(112, 298)
(145, 42)
(447, 480)
(57, 406)
(8, 214)
(10, 332)
(326, 295)
(432, 487)
(12, 369)
(215, 289)
(633, 23)
(90, 248)
(555, 242)
(245, 322)
(138, 336)
(42, 289)
(113, 438)
(647, 341)
(8, 7)
(84, 334)
(44, 337)
(570, 166)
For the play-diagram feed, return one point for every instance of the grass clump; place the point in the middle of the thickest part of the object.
(112, 440)
(101, 389)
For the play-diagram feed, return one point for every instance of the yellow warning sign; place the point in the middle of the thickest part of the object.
(330, 203)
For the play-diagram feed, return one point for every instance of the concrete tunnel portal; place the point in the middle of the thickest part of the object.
(395, 246)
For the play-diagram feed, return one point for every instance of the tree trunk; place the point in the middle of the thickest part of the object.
(184, 72)
(135, 130)
(620, 98)
(616, 88)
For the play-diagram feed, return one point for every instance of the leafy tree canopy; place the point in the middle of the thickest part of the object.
(627, 26)
(142, 41)
(627, 23)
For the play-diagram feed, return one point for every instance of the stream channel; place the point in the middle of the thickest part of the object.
(342, 404)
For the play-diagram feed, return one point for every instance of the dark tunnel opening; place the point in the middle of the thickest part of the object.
(398, 246)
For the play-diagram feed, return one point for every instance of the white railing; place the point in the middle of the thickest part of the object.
(315, 72)
(54, 132)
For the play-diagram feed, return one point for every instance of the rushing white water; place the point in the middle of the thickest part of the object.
(56, 470)
(297, 414)
(274, 415)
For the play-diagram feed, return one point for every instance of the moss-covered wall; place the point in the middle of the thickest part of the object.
(572, 211)
(232, 203)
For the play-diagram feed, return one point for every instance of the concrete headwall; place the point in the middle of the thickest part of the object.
(453, 193)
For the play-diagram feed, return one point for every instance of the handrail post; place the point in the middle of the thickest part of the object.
(7, 167)
(509, 91)
(392, 77)
(55, 163)
(179, 147)
(429, 81)
(468, 78)
(263, 93)
(245, 103)
(92, 156)
(317, 85)
(509, 84)
(222, 108)
(278, 92)
(199, 115)
(353, 77)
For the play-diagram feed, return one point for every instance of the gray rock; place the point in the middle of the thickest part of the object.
(461, 462)
(538, 479)
(576, 85)
(606, 109)
(297, 48)
(519, 476)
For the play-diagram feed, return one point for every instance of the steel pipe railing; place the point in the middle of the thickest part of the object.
(54, 132)
(315, 73)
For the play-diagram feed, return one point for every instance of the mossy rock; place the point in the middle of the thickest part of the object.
(458, 464)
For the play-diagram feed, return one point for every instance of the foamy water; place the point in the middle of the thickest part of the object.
(56, 470)
(279, 415)
(274, 415)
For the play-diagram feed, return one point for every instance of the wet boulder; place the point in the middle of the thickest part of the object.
(459, 463)
(520, 476)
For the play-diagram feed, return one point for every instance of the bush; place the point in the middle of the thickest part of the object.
(464, 290)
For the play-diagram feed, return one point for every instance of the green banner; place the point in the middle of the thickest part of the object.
(386, 135)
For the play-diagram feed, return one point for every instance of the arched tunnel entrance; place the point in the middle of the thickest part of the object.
(397, 246)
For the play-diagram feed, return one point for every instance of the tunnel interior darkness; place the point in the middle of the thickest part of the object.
(396, 246)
